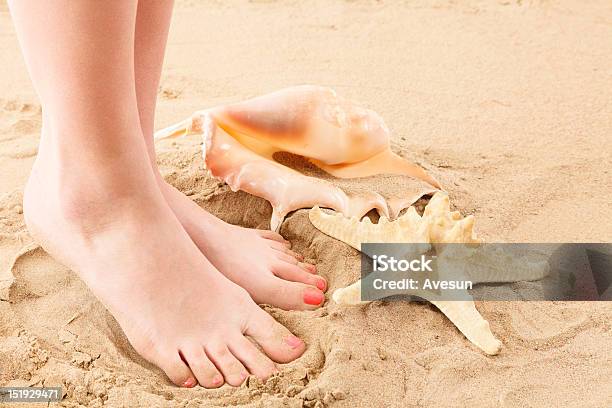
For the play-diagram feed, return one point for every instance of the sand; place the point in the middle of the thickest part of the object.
(507, 103)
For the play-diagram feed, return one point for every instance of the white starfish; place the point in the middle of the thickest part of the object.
(438, 226)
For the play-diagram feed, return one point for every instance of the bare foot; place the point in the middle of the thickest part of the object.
(259, 261)
(176, 309)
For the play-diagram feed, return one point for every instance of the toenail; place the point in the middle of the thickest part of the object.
(217, 380)
(293, 342)
(244, 375)
(321, 284)
(313, 297)
(189, 383)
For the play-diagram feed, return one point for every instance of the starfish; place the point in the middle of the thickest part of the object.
(437, 227)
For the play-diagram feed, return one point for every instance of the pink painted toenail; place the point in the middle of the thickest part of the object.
(312, 297)
(293, 342)
(244, 375)
(321, 284)
(190, 383)
(217, 380)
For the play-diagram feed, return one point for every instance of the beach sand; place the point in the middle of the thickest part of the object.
(507, 103)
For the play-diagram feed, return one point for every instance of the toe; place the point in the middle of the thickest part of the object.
(252, 358)
(312, 297)
(282, 256)
(274, 338)
(232, 369)
(297, 273)
(176, 369)
(204, 370)
(310, 268)
(279, 246)
(274, 236)
(286, 253)
(290, 295)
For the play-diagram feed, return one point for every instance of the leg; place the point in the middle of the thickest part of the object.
(93, 202)
(268, 270)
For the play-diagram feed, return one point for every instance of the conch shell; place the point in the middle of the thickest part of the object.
(334, 134)
(438, 226)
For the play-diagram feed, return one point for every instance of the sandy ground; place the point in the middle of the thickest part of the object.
(507, 103)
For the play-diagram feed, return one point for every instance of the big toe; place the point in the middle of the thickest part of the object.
(289, 295)
(274, 339)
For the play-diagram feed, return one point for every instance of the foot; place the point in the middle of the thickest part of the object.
(176, 309)
(257, 260)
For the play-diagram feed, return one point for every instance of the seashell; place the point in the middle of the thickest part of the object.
(337, 135)
(286, 189)
(334, 134)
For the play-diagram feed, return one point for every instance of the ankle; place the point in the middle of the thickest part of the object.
(87, 200)
(75, 206)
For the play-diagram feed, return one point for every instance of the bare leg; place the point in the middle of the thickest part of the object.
(93, 202)
(267, 269)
